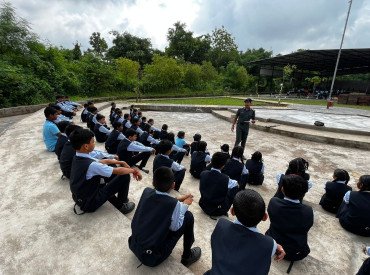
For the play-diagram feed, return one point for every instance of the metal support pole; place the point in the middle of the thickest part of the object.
(340, 50)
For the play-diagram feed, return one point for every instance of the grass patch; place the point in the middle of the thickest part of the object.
(227, 101)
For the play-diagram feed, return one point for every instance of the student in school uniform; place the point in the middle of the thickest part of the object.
(154, 129)
(181, 142)
(164, 132)
(60, 117)
(238, 247)
(67, 154)
(163, 159)
(50, 130)
(225, 149)
(101, 130)
(62, 139)
(114, 138)
(160, 221)
(199, 160)
(194, 145)
(217, 190)
(147, 139)
(75, 105)
(354, 211)
(136, 126)
(290, 219)
(335, 191)
(85, 111)
(177, 153)
(117, 116)
(132, 152)
(235, 167)
(91, 118)
(67, 110)
(297, 166)
(112, 113)
(256, 169)
(87, 191)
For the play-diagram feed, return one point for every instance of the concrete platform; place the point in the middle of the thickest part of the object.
(39, 231)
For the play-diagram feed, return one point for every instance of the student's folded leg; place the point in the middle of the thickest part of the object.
(231, 193)
(243, 181)
(179, 178)
(178, 157)
(143, 157)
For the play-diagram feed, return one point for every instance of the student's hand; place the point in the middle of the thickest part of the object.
(280, 253)
(232, 128)
(184, 197)
(153, 151)
(116, 157)
(188, 200)
(137, 175)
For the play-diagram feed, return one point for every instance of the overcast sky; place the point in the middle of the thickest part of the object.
(282, 26)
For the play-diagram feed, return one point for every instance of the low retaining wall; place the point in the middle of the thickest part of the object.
(179, 108)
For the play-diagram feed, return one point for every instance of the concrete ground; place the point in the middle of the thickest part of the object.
(41, 234)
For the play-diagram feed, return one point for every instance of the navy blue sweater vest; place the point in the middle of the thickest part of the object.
(144, 138)
(60, 144)
(150, 226)
(89, 122)
(333, 197)
(197, 164)
(233, 169)
(238, 250)
(160, 161)
(122, 152)
(66, 159)
(355, 216)
(213, 189)
(112, 142)
(254, 169)
(290, 223)
(100, 136)
(81, 187)
(163, 135)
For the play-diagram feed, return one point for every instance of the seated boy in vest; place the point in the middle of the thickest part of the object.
(177, 153)
(164, 132)
(354, 213)
(62, 139)
(91, 118)
(194, 145)
(335, 191)
(199, 160)
(248, 251)
(256, 169)
(163, 159)
(101, 130)
(114, 138)
(50, 130)
(67, 154)
(160, 221)
(217, 190)
(290, 219)
(132, 152)
(87, 191)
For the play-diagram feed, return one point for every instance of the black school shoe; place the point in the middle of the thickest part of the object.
(195, 253)
(127, 207)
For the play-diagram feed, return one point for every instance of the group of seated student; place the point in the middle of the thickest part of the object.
(96, 177)
(68, 107)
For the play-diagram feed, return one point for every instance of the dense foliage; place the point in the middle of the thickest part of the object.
(32, 72)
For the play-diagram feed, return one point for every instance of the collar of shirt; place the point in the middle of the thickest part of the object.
(162, 193)
(64, 134)
(294, 201)
(237, 159)
(341, 181)
(218, 170)
(166, 156)
(254, 229)
(84, 155)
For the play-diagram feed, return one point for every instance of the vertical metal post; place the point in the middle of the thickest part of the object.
(340, 50)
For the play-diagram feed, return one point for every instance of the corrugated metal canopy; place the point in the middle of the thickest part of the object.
(352, 61)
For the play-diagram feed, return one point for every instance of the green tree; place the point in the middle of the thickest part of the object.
(209, 73)
(76, 52)
(236, 77)
(192, 76)
(132, 47)
(223, 48)
(98, 44)
(128, 70)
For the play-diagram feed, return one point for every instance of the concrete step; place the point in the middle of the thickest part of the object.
(341, 139)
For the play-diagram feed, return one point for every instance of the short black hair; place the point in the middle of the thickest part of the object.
(49, 111)
(202, 146)
(143, 118)
(90, 103)
(365, 181)
(130, 132)
(219, 160)
(257, 156)
(164, 146)
(341, 175)
(80, 137)
(181, 134)
(63, 125)
(116, 125)
(225, 148)
(56, 107)
(150, 120)
(92, 109)
(112, 104)
(85, 105)
(135, 120)
(163, 179)
(237, 152)
(59, 96)
(197, 137)
(118, 111)
(70, 128)
(294, 187)
(171, 137)
(126, 116)
(99, 117)
(164, 127)
(249, 207)
(297, 166)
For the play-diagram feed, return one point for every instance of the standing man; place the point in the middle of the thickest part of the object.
(244, 117)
